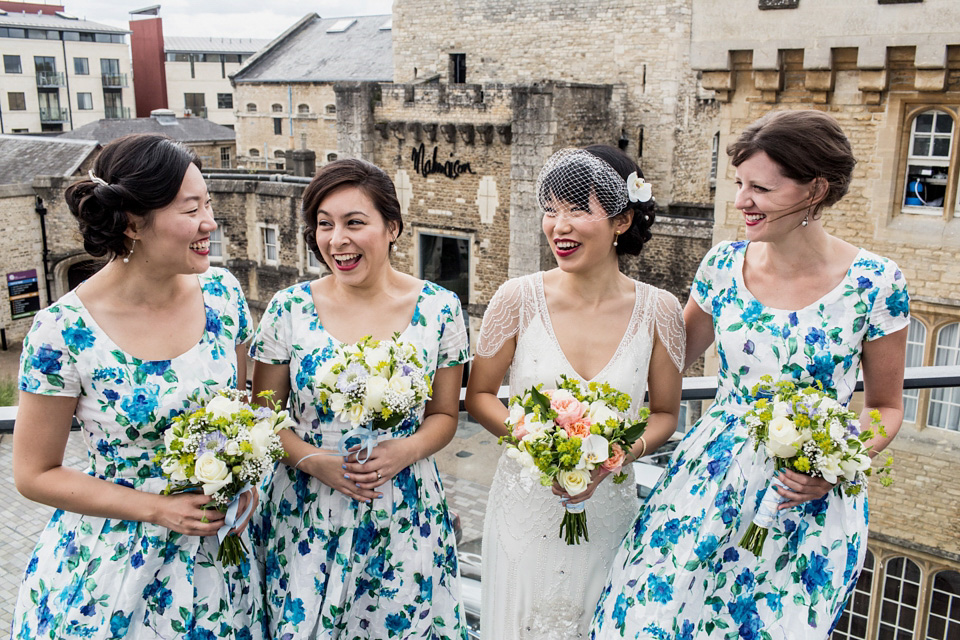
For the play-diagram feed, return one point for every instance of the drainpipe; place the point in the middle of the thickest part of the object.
(45, 256)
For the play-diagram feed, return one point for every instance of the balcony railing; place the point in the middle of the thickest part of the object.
(54, 114)
(47, 79)
(116, 113)
(114, 80)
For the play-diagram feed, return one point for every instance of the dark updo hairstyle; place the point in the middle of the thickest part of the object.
(143, 172)
(806, 145)
(558, 184)
(349, 172)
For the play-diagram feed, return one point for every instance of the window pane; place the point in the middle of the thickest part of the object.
(941, 147)
(224, 101)
(944, 123)
(11, 64)
(81, 66)
(216, 243)
(924, 122)
(900, 599)
(921, 146)
(84, 101)
(446, 262)
(944, 408)
(17, 101)
(944, 620)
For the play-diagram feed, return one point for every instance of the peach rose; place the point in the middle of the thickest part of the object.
(577, 429)
(615, 461)
(568, 408)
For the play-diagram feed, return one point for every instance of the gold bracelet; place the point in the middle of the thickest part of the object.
(643, 451)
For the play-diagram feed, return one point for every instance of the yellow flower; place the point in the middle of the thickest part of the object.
(802, 464)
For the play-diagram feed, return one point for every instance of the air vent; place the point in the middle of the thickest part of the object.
(387, 26)
(341, 25)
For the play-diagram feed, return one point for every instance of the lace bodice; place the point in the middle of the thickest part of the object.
(535, 586)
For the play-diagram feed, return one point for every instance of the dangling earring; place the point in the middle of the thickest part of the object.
(806, 218)
(126, 258)
(616, 237)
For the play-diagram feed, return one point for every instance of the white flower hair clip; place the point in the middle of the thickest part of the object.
(638, 189)
(95, 179)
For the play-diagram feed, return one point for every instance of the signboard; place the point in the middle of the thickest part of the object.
(24, 293)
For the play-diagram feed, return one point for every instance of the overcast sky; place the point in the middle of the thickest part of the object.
(223, 18)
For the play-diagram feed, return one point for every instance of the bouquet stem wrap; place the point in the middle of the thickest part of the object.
(574, 523)
(232, 549)
(767, 514)
(368, 440)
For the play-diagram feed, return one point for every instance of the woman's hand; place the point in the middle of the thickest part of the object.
(386, 460)
(245, 498)
(597, 476)
(801, 488)
(329, 468)
(185, 513)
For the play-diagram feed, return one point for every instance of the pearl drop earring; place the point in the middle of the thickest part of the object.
(126, 258)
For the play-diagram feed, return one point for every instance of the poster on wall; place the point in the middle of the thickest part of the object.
(24, 293)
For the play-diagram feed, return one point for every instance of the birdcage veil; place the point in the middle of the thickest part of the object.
(573, 175)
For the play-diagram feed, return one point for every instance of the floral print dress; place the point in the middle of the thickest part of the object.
(93, 577)
(335, 567)
(680, 573)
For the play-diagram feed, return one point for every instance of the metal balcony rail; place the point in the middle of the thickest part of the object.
(114, 80)
(51, 79)
(54, 114)
(116, 113)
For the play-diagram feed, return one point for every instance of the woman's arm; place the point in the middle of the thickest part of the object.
(486, 377)
(699, 326)
(437, 430)
(39, 440)
(242, 367)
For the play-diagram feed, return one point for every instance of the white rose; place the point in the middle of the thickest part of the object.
(830, 468)
(212, 473)
(599, 413)
(223, 407)
(377, 356)
(355, 414)
(373, 398)
(783, 438)
(261, 438)
(232, 448)
(781, 409)
(173, 469)
(595, 449)
(574, 482)
(837, 431)
(400, 384)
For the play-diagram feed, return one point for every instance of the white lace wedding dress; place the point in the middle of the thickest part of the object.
(535, 586)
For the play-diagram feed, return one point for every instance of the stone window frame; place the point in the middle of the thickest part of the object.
(303, 109)
(251, 107)
(952, 602)
(916, 347)
(468, 236)
(276, 107)
(226, 158)
(924, 335)
(254, 152)
(951, 201)
(946, 350)
(856, 613)
(266, 232)
(330, 111)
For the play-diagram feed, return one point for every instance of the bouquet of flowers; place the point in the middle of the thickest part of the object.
(372, 384)
(224, 449)
(566, 433)
(806, 430)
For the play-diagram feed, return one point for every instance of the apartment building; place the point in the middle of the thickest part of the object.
(60, 72)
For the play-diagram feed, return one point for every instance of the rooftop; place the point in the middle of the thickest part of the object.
(325, 50)
(22, 158)
(161, 121)
(54, 22)
(176, 44)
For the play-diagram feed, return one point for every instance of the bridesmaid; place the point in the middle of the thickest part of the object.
(126, 351)
(359, 550)
(793, 302)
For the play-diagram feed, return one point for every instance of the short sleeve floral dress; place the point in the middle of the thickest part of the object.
(679, 572)
(335, 567)
(93, 577)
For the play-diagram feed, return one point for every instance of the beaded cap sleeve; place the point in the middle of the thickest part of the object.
(668, 320)
(508, 314)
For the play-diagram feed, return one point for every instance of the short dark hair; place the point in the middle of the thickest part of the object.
(143, 172)
(805, 144)
(349, 172)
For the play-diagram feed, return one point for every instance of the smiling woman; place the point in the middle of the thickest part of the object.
(146, 208)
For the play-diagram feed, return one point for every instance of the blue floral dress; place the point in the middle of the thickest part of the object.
(679, 573)
(337, 568)
(93, 577)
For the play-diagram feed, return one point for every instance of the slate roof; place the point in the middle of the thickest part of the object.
(177, 44)
(308, 52)
(180, 129)
(43, 21)
(22, 158)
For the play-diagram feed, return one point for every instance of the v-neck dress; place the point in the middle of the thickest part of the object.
(680, 572)
(335, 567)
(93, 577)
(535, 586)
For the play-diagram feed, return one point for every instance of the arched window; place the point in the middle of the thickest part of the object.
(944, 620)
(943, 411)
(276, 107)
(330, 109)
(251, 107)
(928, 162)
(331, 157)
(853, 620)
(916, 339)
(303, 109)
(901, 595)
(278, 154)
(254, 153)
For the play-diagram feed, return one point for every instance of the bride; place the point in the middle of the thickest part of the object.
(587, 320)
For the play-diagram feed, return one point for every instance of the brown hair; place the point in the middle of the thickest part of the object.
(349, 172)
(805, 144)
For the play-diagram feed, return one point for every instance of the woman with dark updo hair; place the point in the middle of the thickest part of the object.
(586, 320)
(795, 303)
(153, 331)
